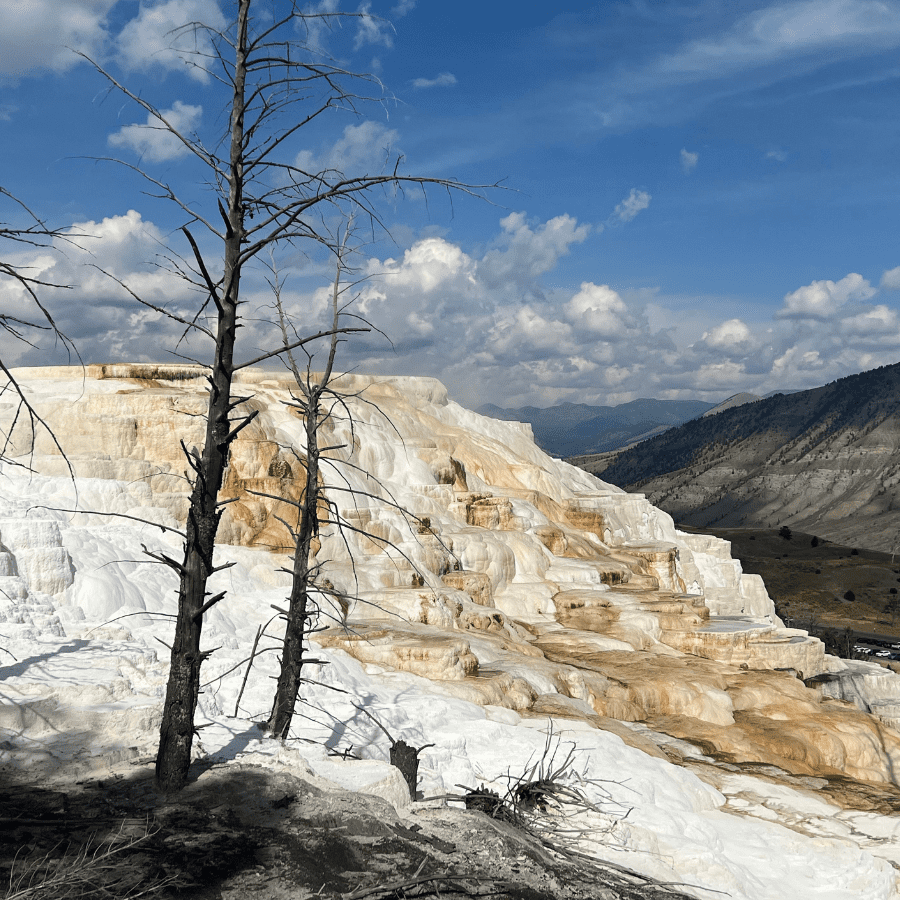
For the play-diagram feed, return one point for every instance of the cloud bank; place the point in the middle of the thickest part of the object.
(41, 34)
(488, 322)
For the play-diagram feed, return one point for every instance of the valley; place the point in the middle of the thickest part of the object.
(824, 462)
(808, 583)
(576, 428)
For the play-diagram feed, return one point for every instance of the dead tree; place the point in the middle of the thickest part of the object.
(321, 403)
(274, 84)
(32, 232)
(317, 404)
(316, 411)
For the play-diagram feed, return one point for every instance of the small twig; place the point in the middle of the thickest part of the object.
(259, 631)
(365, 712)
(95, 512)
(449, 880)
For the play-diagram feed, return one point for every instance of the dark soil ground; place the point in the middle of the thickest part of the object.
(808, 584)
(239, 831)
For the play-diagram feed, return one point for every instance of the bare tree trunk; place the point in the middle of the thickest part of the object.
(177, 730)
(276, 85)
(303, 576)
(290, 676)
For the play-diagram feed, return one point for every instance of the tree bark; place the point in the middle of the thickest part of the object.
(290, 676)
(177, 730)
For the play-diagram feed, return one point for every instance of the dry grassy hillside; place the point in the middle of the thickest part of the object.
(825, 461)
(808, 583)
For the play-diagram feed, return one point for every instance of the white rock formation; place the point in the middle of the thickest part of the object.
(513, 581)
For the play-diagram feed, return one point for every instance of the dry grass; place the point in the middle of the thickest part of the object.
(551, 800)
(808, 583)
(98, 868)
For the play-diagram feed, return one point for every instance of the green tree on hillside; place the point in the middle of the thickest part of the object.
(892, 608)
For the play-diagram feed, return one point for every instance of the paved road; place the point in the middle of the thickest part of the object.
(868, 636)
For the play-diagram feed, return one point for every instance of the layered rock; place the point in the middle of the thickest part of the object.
(464, 555)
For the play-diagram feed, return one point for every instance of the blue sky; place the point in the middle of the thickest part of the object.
(702, 197)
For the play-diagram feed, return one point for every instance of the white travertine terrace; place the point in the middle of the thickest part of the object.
(505, 578)
(518, 564)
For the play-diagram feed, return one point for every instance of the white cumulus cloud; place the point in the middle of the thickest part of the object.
(635, 202)
(891, 279)
(599, 309)
(879, 322)
(361, 149)
(428, 265)
(372, 29)
(527, 252)
(161, 36)
(822, 299)
(729, 336)
(102, 319)
(41, 34)
(153, 141)
(525, 334)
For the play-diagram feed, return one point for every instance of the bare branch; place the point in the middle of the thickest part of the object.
(191, 144)
(94, 512)
(206, 277)
(300, 343)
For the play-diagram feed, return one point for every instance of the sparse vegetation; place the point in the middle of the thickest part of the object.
(548, 799)
(892, 607)
(804, 431)
(424, 526)
(808, 584)
(100, 868)
(838, 642)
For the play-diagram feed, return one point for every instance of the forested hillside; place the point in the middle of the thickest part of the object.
(825, 460)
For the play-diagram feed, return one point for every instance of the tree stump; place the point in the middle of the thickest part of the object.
(406, 759)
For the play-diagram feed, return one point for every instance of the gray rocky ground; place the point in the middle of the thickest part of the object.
(242, 831)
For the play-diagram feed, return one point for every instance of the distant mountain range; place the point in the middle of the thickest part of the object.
(572, 429)
(825, 461)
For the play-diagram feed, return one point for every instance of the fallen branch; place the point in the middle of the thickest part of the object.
(398, 889)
